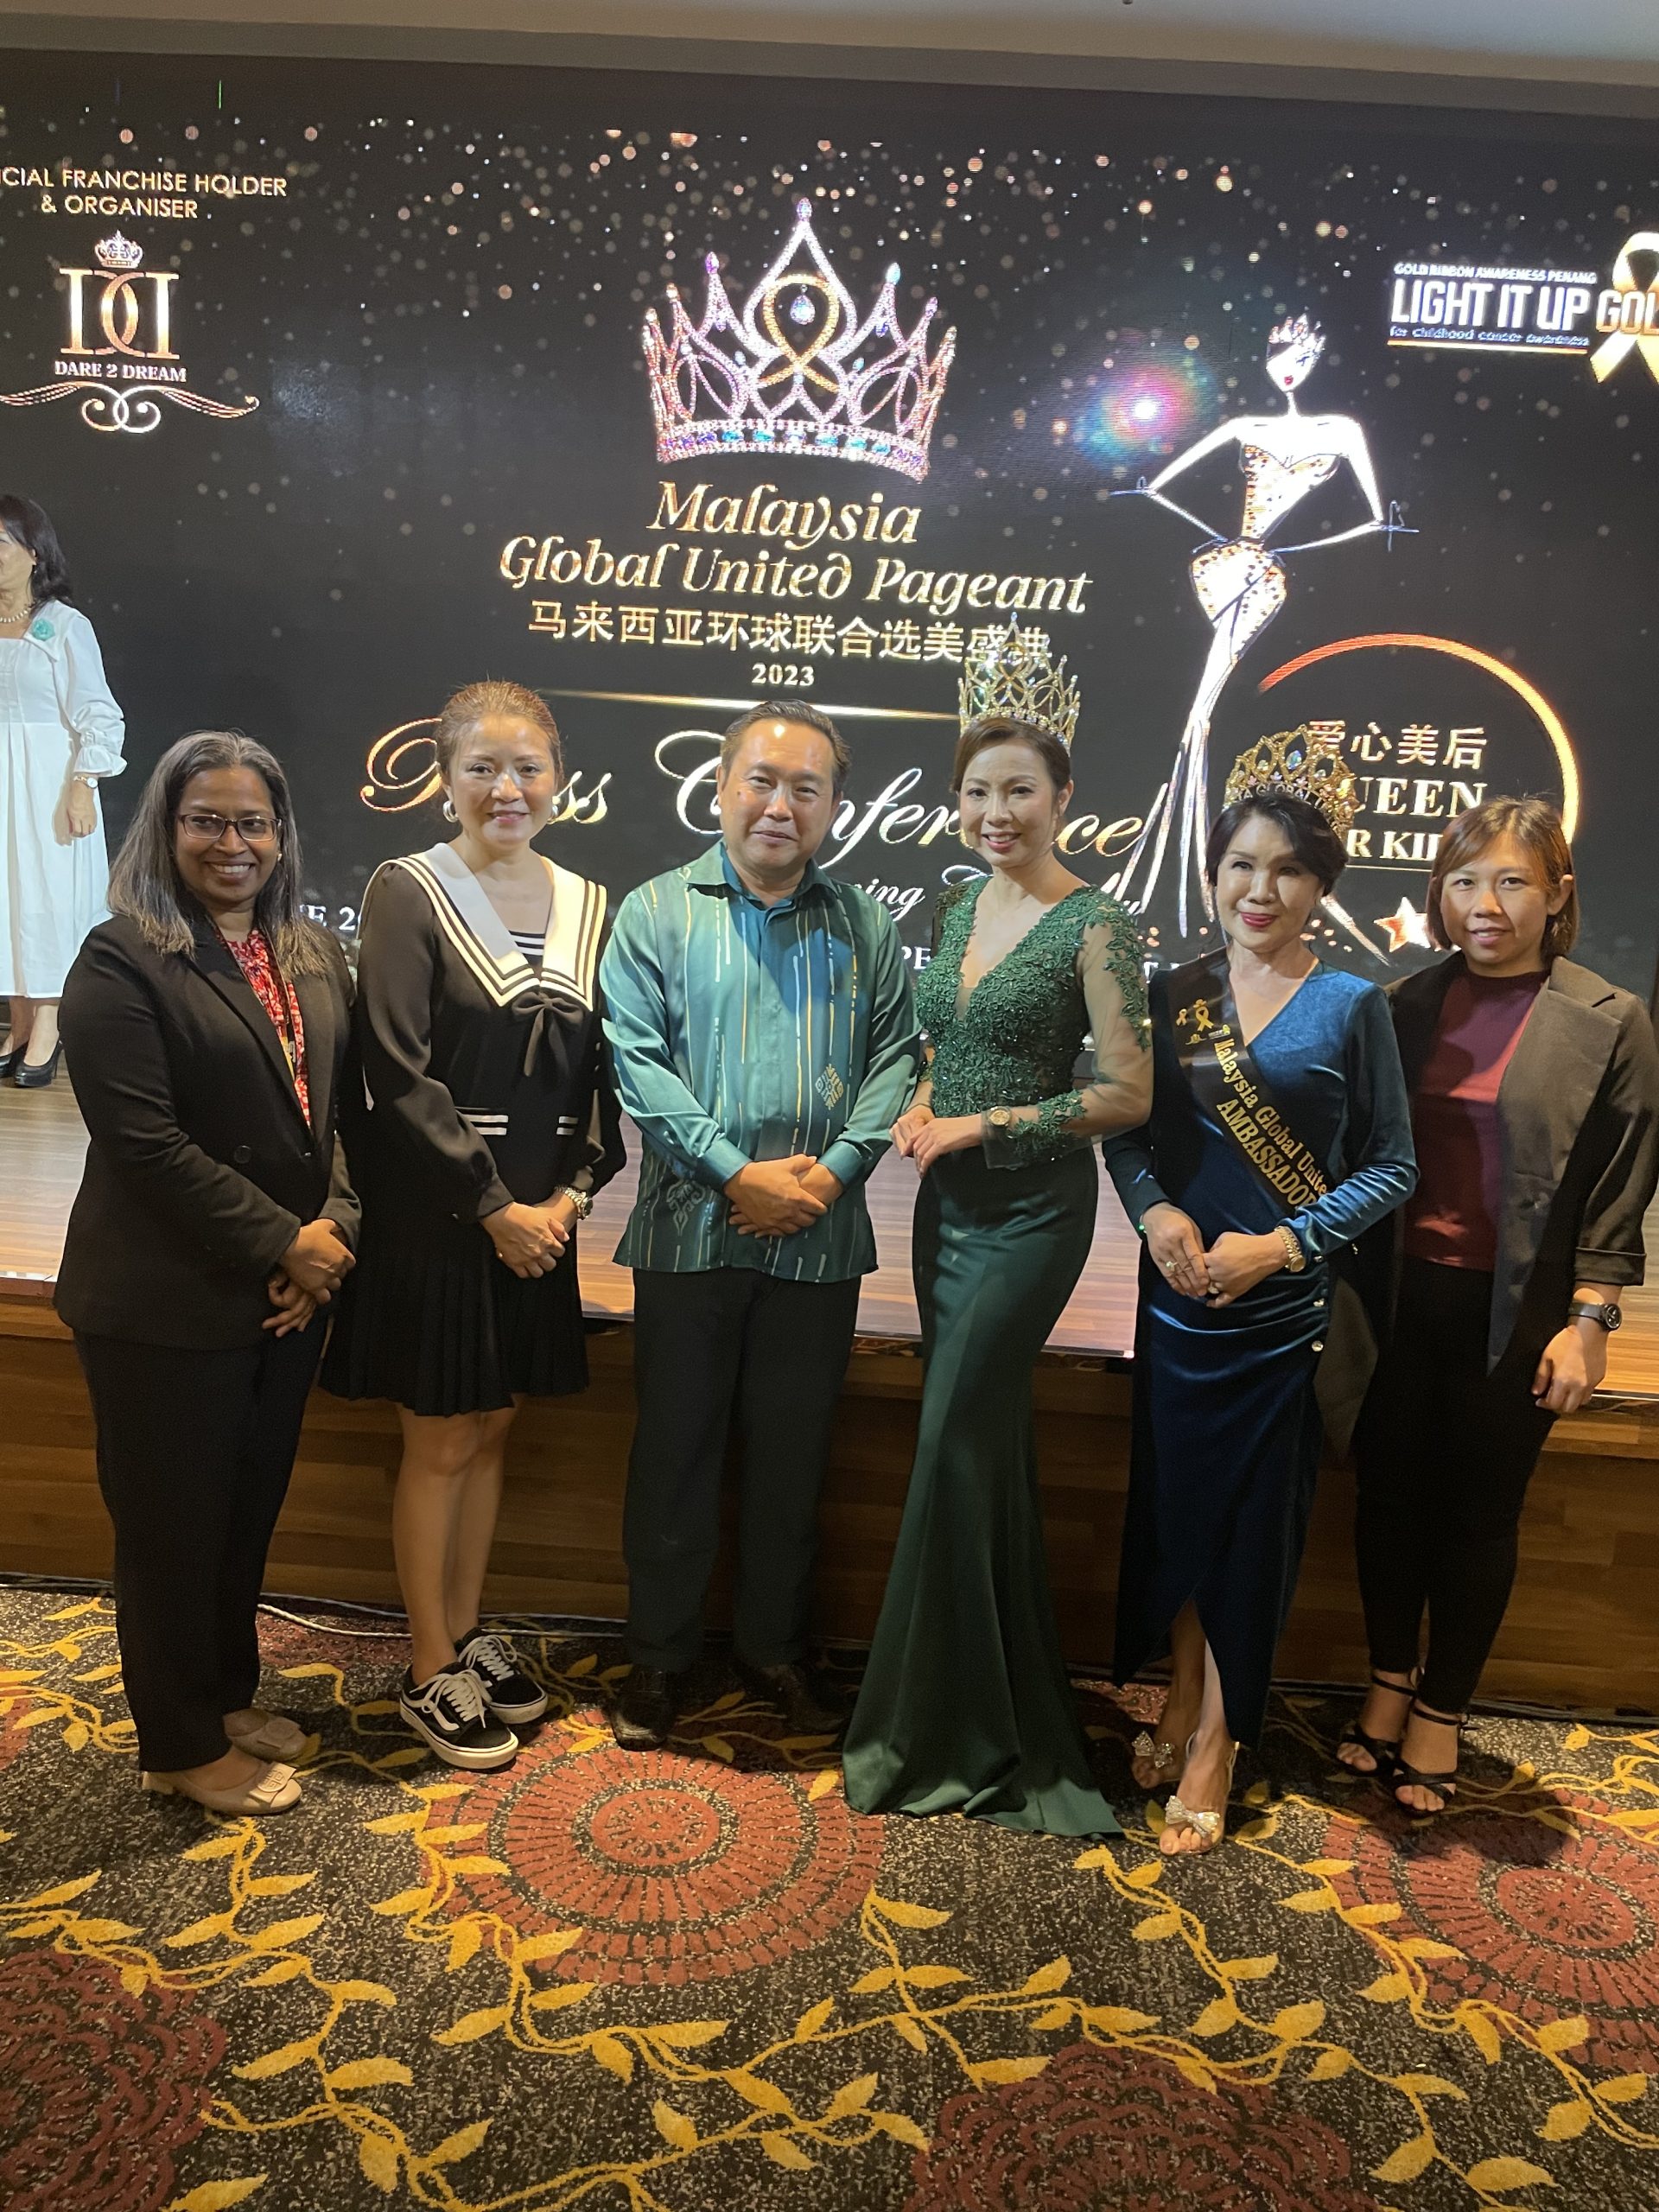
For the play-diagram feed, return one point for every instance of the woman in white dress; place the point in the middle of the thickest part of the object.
(61, 733)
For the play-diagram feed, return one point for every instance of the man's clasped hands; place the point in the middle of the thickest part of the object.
(777, 1197)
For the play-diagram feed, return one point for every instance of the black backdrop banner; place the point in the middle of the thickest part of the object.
(348, 383)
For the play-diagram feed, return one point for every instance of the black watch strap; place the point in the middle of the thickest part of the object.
(1588, 1309)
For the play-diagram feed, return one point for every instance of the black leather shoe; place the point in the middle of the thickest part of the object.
(808, 1702)
(28, 1077)
(646, 1708)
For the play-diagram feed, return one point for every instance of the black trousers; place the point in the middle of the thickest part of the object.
(707, 1346)
(195, 1453)
(1445, 1454)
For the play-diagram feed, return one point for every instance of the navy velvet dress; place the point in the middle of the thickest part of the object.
(1227, 1427)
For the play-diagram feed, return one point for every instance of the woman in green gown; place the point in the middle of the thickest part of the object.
(965, 1704)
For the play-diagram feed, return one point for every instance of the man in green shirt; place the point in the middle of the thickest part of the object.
(764, 1038)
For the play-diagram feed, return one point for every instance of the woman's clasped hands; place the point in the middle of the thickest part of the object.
(1234, 1263)
(307, 1276)
(530, 1240)
(923, 1136)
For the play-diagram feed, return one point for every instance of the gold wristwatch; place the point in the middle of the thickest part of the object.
(1295, 1258)
(999, 1118)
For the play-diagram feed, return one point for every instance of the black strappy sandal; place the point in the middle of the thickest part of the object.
(1444, 1786)
(1384, 1750)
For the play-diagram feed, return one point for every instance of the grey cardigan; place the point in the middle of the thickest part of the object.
(1579, 1113)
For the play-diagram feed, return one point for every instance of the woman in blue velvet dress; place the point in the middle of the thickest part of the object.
(1279, 1130)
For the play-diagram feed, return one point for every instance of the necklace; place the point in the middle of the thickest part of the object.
(24, 612)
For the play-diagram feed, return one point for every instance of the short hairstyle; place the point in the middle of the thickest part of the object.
(145, 880)
(786, 710)
(29, 524)
(1007, 729)
(1307, 832)
(1534, 823)
(477, 703)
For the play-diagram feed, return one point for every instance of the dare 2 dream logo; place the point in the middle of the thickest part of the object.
(117, 351)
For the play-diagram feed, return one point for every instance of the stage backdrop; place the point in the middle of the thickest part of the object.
(348, 383)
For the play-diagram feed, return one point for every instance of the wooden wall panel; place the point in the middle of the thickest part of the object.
(1580, 1631)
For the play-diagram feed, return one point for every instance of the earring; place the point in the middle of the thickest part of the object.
(449, 813)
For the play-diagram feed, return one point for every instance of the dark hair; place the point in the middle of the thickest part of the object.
(786, 710)
(29, 524)
(1534, 823)
(1309, 835)
(146, 886)
(476, 703)
(1007, 729)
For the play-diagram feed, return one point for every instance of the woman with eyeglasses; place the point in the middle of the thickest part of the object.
(491, 1122)
(207, 1024)
(60, 734)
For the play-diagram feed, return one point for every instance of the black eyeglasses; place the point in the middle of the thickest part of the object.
(208, 829)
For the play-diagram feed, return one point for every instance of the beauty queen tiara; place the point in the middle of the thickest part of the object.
(1009, 672)
(1301, 763)
(797, 371)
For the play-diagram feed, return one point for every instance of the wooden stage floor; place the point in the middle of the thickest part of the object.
(43, 1140)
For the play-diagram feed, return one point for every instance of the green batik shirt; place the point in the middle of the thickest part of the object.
(742, 1032)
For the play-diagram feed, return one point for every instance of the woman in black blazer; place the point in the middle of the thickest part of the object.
(206, 1027)
(1534, 1089)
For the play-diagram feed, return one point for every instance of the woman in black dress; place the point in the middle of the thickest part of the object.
(491, 1122)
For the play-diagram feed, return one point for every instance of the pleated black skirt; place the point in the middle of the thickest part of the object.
(430, 1319)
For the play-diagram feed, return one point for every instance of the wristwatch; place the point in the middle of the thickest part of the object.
(1295, 1256)
(1586, 1309)
(582, 1200)
(999, 1118)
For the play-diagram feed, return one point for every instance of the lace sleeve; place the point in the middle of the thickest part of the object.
(1118, 1092)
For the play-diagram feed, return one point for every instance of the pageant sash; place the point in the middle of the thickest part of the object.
(1228, 1084)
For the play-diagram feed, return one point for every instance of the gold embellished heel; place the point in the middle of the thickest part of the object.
(1208, 1827)
(1166, 1759)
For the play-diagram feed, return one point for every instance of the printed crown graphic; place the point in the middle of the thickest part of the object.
(1299, 763)
(1009, 672)
(1298, 333)
(117, 253)
(797, 371)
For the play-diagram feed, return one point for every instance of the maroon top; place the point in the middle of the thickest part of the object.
(1453, 1216)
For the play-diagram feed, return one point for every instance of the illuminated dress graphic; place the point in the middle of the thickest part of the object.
(1240, 585)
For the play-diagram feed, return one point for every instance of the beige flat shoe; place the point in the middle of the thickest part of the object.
(274, 1791)
(267, 1735)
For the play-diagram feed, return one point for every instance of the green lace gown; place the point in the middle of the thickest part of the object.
(965, 1704)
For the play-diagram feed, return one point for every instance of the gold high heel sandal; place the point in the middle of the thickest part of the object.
(1208, 1827)
(1166, 1759)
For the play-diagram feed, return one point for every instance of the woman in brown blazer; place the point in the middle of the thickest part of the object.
(1534, 1089)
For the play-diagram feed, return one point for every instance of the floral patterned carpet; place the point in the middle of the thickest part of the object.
(697, 1982)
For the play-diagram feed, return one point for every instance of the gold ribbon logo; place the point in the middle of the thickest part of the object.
(1629, 311)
